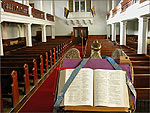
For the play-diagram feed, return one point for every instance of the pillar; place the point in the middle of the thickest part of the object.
(123, 33)
(1, 42)
(85, 6)
(92, 4)
(43, 33)
(43, 8)
(142, 35)
(28, 35)
(113, 4)
(27, 2)
(113, 32)
(40, 2)
(52, 7)
(108, 31)
(53, 31)
(73, 5)
(79, 6)
(108, 6)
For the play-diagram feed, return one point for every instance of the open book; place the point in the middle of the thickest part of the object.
(97, 87)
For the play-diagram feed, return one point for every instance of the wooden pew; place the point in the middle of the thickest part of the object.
(141, 63)
(141, 80)
(12, 88)
(16, 59)
(141, 69)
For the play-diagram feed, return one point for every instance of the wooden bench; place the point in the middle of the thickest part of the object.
(44, 55)
(13, 92)
(141, 80)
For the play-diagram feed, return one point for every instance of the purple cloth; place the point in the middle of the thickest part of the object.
(95, 64)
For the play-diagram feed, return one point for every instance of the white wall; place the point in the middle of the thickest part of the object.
(37, 4)
(48, 31)
(132, 27)
(98, 28)
(47, 6)
(36, 28)
(12, 31)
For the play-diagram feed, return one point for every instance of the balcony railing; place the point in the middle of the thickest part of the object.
(141, 1)
(74, 15)
(115, 11)
(21, 9)
(15, 7)
(38, 14)
(126, 3)
(108, 15)
(50, 17)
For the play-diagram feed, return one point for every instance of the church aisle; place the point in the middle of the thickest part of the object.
(43, 99)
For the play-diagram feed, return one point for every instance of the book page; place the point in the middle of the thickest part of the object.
(80, 91)
(110, 88)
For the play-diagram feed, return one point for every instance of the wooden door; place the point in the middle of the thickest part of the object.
(80, 32)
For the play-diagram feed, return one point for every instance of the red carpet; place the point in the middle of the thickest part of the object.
(43, 99)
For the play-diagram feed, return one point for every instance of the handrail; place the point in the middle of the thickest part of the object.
(38, 14)
(126, 3)
(114, 11)
(141, 1)
(15, 7)
(50, 17)
(108, 15)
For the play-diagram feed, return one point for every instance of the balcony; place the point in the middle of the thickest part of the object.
(50, 17)
(14, 7)
(12, 11)
(128, 10)
(38, 14)
(80, 18)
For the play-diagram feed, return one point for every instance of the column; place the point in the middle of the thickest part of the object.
(1, 42)
(123, 33)
(40, 4)
(67, 4)
(79, 6)
(28, 35)
(113, 32)
(52, 7)
(27, 2)
(73, 5)
(85, 6)
(92, 4)
(108, 5)
(113, 4)
(108, 31)
(53, 31)
(43, 33)
(142, 35)
(43, 8)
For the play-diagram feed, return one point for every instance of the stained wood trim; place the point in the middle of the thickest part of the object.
(35, 72)
(46, 61)
(41, 65)
(15, 90)
(26, 78)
